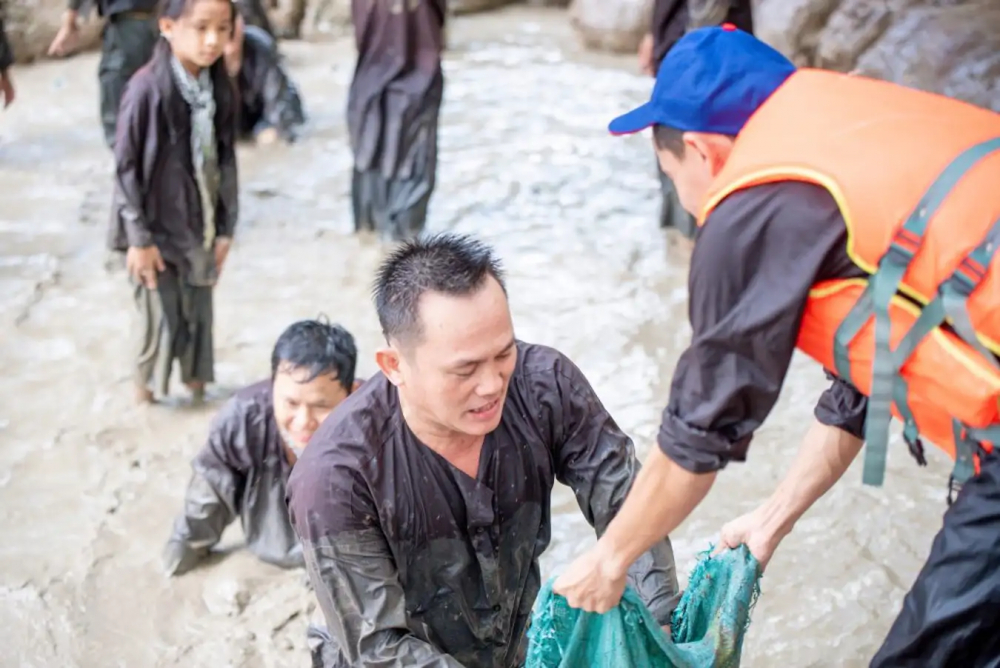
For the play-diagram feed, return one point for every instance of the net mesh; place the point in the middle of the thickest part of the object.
(708, 625)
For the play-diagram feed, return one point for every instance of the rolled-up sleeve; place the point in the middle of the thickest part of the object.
(352, 569)
(754, 262)
(598, 462)
(843, 406)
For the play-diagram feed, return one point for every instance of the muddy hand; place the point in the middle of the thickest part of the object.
(144, 264)
(591, 582)
(222, 245)
(66, 39)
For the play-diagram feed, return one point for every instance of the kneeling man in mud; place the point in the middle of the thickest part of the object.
(424, 503)
(270, 105)
(253, 444)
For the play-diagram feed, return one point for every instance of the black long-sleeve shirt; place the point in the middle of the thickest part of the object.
(754, 262)
(415, 563)
(108, 8)
(241, 472)
(673, 18)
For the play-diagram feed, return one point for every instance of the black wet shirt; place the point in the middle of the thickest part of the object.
(240, 472)
(415, 563)
(268, 97)
(6, 52)
(755, 259)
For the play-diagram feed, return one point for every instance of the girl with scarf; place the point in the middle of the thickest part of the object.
(175, 204)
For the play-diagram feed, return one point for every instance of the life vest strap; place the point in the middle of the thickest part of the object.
(882, 288)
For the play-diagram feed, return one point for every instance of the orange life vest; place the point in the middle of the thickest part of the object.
(917, 179)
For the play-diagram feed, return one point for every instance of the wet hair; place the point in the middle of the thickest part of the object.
(318, 348)
(447, 263)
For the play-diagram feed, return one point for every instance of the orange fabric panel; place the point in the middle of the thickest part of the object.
(877, 147)
(946, 377)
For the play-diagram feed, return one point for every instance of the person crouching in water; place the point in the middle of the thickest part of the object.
(392, 114)
(175, 205)
(253, 443)
(269, 103)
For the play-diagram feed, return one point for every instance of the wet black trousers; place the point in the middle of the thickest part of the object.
(128, 42)
(951, 616)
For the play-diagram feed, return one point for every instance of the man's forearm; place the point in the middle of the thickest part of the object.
(824, 457)
(662, 497)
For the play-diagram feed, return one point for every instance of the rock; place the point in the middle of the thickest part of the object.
(226, 597)
(547, 3)
(951, 47)
(32, 24)
(611, 25)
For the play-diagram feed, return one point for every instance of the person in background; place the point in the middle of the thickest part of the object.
(270, 106)
(671, 20)
(253, 443)
(253, 13)
(6, 62)
(392, 113)
(175, 203)
(807, 233)
(128, 40)
(424, 503)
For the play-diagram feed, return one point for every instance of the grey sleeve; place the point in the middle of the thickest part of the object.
(754, 262)
(282, 104)
(212, 499)
(353, 572)
(597, 460)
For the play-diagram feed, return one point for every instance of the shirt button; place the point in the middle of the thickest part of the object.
(479, 529)
(496, 608)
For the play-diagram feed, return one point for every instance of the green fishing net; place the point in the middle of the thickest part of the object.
(707, 627)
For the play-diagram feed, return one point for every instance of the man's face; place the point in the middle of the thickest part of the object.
(693, 173)
(300, 407)
(457, 374)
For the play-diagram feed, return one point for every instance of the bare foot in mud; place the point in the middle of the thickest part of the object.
(144, 395)
(197, 389)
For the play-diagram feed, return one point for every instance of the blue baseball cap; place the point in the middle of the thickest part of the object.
(712, 80)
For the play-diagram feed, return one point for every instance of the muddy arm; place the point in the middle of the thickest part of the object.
(597, 460)
(213, 494)
(353, 572)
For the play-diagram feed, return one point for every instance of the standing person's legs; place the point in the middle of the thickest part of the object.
(128, 45)
(197, 356)
(951, 615)
(155, 334)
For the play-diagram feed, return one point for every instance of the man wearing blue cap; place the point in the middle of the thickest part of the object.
(800, 181)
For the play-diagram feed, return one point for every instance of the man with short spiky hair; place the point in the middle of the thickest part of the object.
(423, 503)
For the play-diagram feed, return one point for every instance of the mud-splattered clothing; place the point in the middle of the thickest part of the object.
(392, 113)
(268, 97)
(241, 472)
(416, 563)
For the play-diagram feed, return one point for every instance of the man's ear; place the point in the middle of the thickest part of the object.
(387, 359)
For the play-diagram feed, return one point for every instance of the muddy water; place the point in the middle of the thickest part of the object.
(89, 484)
